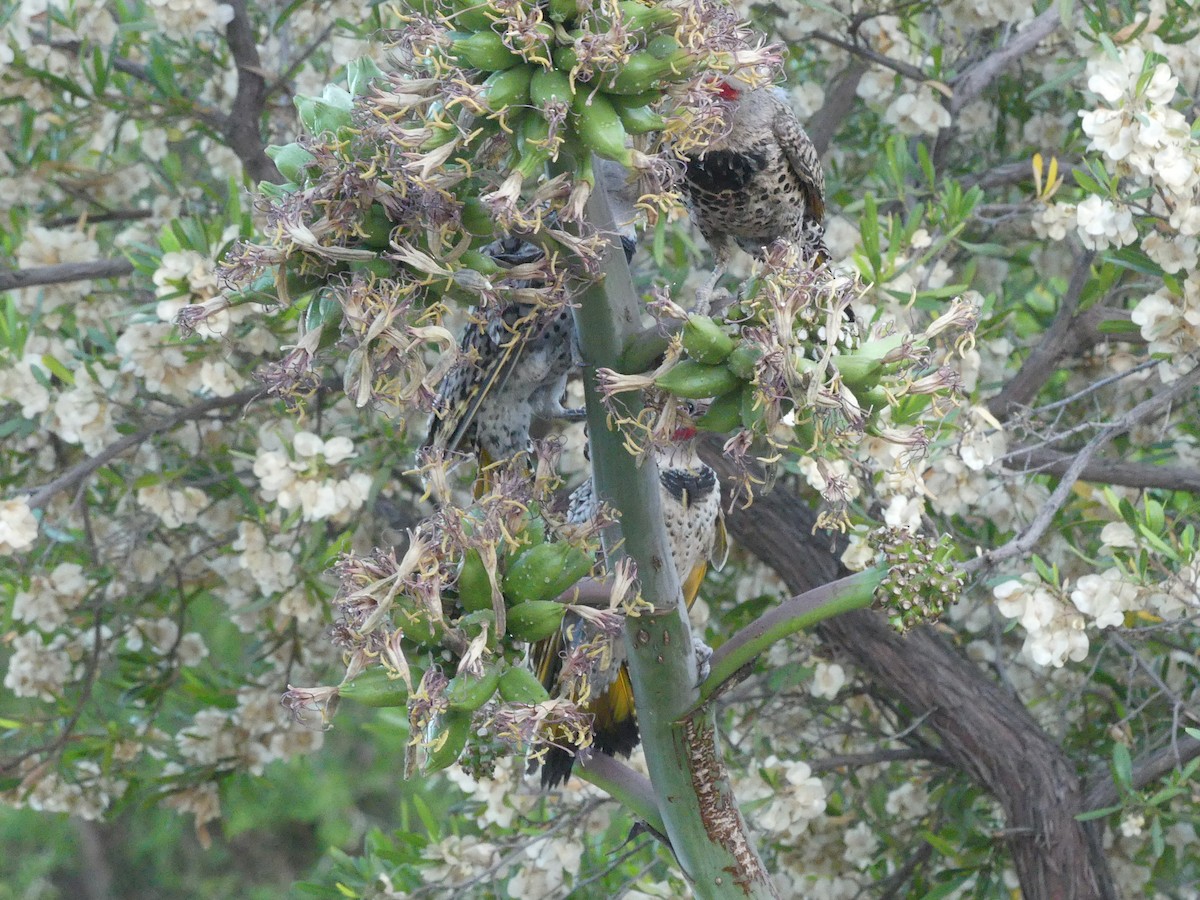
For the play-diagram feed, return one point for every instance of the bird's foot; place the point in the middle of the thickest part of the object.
(705, 293)
(703, 657)
(576, 414)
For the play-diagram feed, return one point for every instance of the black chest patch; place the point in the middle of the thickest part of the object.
(688, 486)
(724, 170)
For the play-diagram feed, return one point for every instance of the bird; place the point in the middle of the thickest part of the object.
(761, 182)
(691, 503)
(515, 363)
(515, 358)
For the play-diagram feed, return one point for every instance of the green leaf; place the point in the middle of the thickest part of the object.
(869, 229)
(1122, 766)
(1117, 326)
(1098, 813)
(939, 843)
(58, 369)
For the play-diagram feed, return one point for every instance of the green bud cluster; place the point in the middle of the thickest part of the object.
(540, 62)
(531, 572)
(922, 579)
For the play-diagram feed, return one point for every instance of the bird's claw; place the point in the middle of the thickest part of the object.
(703, 658)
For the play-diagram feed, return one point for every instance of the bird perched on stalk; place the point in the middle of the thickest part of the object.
(515, 359)
(760, 182)
(690, 497)
(515, 363)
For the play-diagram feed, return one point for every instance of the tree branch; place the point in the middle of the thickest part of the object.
(79, 472)
(1052, 346)
(984, 731)
(1107, 471)
(839, 101)
(857, 760)
(207, 115)
(64, 272)
(243, 129)
(1028, 539)
(1147, 769)
(880, 59)
(974, 81)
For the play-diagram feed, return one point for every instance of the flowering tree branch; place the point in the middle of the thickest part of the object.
(1028, 539)
(79, 472)
(983, 730)
(1147, 769)
(880, 59)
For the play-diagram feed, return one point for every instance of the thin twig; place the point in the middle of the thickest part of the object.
(906, 69)
(1044, 359)
(75, 475)
(1028, 539)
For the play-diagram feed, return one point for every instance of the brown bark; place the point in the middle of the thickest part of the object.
(984, 731)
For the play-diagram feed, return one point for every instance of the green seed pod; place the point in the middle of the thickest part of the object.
(376, 689)
(476, 219)
(544, 571)
(467, 692)
(509, 87)
(377, 227)
(472, 626)
(663, 46)
(322, 310)
(482, 50)
(380, 268)
(752, 416)
(549, 86)
(705, 341)
(859, 372)
(328, 113)
(564, 11)
(519, 685)
(805, 433)
(291, 160)
(442, 135)
(531, 145)
(419, 629)
(640, 16)
(565, 58)
(644, 71)
(600, 129)
(695, 381)
(472, 15)
(294, 279)
(725, 413)
(742, 360)
(634, 101)
(535, 620)
(530, 533)
(640, 119)
(474, 588)
(447, 735)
